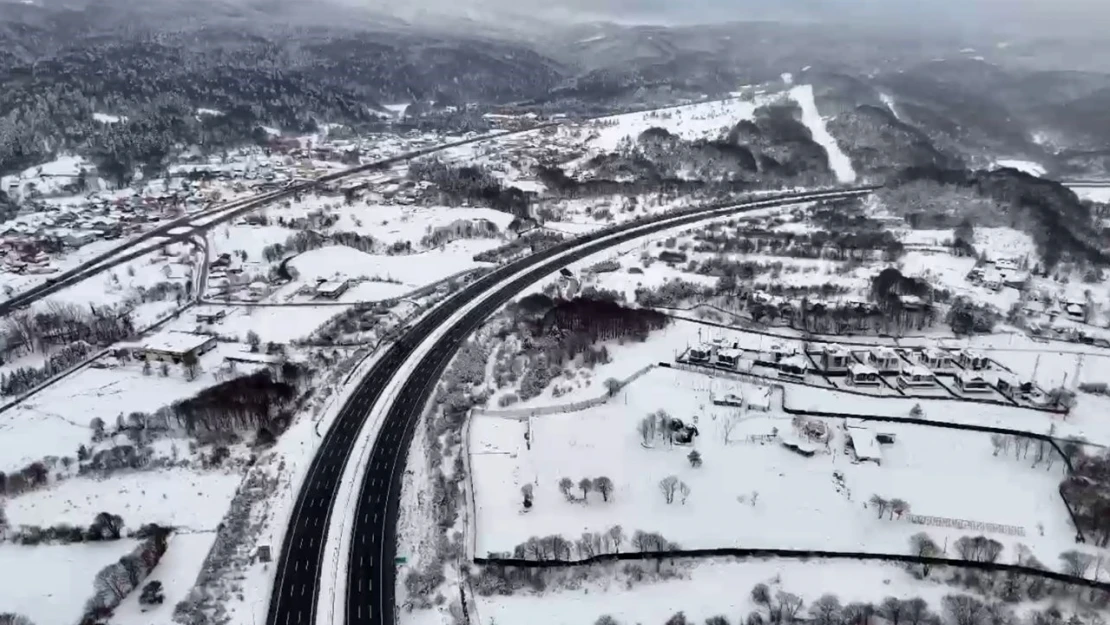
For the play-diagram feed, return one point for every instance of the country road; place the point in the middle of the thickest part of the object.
(425, 351)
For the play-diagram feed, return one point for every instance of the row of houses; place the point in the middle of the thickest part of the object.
(871, 367)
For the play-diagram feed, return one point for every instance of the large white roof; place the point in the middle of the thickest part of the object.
(175, 342)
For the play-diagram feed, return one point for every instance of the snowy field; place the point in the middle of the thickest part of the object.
(56, 421)
(49, 584)
(709, 588)
(181, 498)
(799, 502)
(177, 570)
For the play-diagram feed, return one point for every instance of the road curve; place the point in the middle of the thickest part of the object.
(370, 571)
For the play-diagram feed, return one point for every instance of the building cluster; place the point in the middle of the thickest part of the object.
(902, 370)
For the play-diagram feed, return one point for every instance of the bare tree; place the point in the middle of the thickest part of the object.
(857, 613)
(612, 386)
(719, 619)
(1077, 563)
(826, 610)
(605, 619)
(668, 485)
(727, 426)
(616, 534)
(880, 503)
(916, 412)
(964, 609)
(684, 490)
(761, 596)
(898, 507)
(923, 547)
(526, 490)
(892, 609)
(1000, 442)
(585, 546)
(786, 607)
(694, 457)
(565, 484)
(917, 611)
(586, 484)
(604, 486)
(646, 428)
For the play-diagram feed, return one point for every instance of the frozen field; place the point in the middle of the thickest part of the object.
(49, 584)
(799, 505)
(190, 500)
(709, 588)
(55, 421)
(177, 571)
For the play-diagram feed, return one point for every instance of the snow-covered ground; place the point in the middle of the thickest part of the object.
(1098, 194)
(708, 588)
(49, 584)
(811, 117)
(177, 571)
(56, 421)
(1029, 167)
(798, 502)
(182, 498)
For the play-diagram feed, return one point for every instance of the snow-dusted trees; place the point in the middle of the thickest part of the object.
(565, 486)
(668, 486)
(603, 485)
(1077, 563)
(978, 548)
(694, 457)
(586, 485)
(117, 580)
(526, 491)
(964, 609)
(826, 610)
(922, 545)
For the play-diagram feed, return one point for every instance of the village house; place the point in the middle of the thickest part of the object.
(211, 316)
(864, 445)
(173, 346)
(884, 359)
(332, 289)
(973, 360)
(970, 381)
(916, 376)
(728, 359)
(794, 368)
(835, 359)
(860, 374)
(698, 355)
(936, 359)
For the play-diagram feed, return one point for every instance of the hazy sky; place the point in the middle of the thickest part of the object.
(1030, 14)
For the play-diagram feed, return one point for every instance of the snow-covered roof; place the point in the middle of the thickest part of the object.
(884, 352)
(916, 370)
(863, 441)
(966, 376)
(176, 342)
(835, 348)
(333, 286)
(857, 368)
(760, 398)
(797, 360)
(729, 353)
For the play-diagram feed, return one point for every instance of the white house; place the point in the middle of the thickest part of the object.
(884, 359)
(860, 374)
(972, 382)
(794, 368)
(916, 376)
(935, 358)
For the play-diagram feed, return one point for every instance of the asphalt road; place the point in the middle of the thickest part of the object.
(371, 571)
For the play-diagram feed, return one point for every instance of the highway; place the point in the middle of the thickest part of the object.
(370, 570)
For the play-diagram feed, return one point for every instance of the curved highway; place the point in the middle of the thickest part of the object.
(370, 569)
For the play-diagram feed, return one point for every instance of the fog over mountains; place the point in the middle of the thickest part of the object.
(971, 80)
